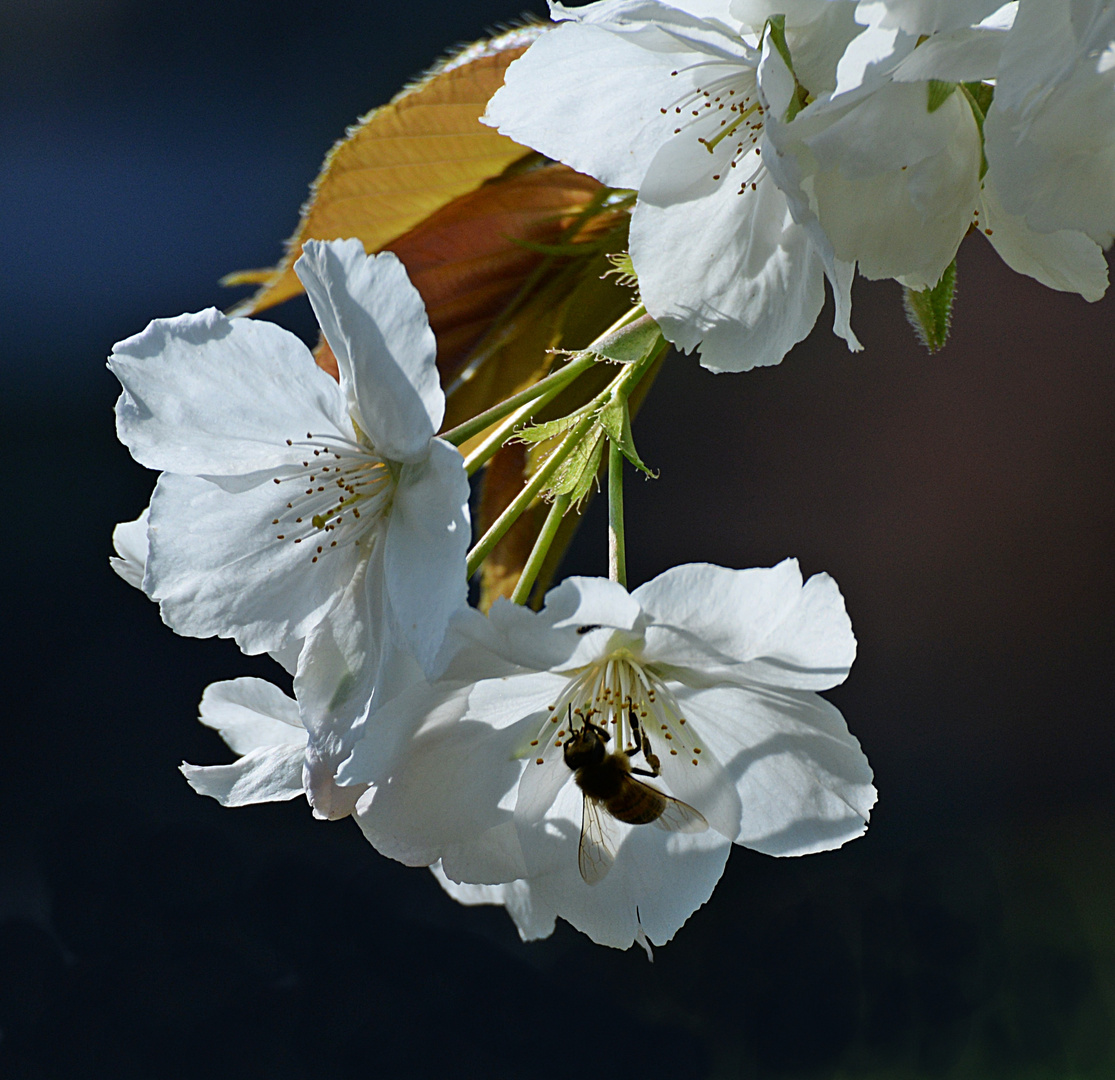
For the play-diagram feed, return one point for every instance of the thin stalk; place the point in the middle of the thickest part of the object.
(483, 453)
(560, 378)
(538, 553)
(537, 482)
(617, 552)
(620, 388)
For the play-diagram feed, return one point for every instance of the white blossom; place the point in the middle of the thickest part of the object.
(301, 516)
(262, 724)
(706, 677)
(663, 99)
(1051, 128)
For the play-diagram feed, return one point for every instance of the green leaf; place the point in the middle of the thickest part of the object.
(616, 421)
(930, 311)
(939, 93)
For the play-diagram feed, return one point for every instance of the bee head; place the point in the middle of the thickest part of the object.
(585, 747)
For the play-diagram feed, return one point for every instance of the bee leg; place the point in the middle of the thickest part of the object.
(642, 772)
(638, 736)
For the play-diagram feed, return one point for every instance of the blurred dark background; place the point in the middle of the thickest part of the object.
(965, 503)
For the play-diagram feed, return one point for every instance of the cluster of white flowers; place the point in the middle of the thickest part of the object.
(596, 759)
(774, 143)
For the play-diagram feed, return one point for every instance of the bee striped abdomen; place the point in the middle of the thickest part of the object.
(637, 804)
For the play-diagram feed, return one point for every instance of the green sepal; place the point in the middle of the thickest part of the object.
(578, 472)
(981, 94)
(930, 310)
(776, 26)
(536, 433)
(939, 92)
(633, 342)
(615, 419)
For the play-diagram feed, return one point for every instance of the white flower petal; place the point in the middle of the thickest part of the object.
(1064, 260)
(725, 269)
(532, 917)
(1050, 132)
(754, 13)
(349, 667)
(251, 713)
(657, 881)
(269, 774)
(216, 568)
(376, 325)
(925, 16)
(438, 782)
(205, 394)
(748, 626)
(551, 99)
(965, 55)
(888, 159)
(427, 538)
(129, 538)
(803, 781)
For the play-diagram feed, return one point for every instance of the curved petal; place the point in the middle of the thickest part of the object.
(208, 394)
(963, 55)
(269, 774)
(350, 666)
(551, 96)
(440, 783)
(726, 269)
(1064, 260)
(581, 619)
(804, 783)
(925, 16)
(894, 185)
(376, 325)
(427, 538)
(657, 881)
(129, 538)
(532, 917)
(730, 611)
(251, 713)
(217, 568)
(1050, 132)
(748, 626)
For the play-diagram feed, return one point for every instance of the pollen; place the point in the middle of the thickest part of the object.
(630, 705)
(359, 478)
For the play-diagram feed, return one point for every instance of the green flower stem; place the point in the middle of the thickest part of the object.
(538, 553)
(586, 359)
(617, 552)
(486, 450)
(525, 497)
(619, 389)
(560, 378)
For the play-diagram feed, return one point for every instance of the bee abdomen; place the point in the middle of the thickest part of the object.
(637, 804)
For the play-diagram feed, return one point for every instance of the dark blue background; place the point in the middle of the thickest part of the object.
(964, 502)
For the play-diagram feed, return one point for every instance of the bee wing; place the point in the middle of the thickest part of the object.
(595, 854)
(678, 816)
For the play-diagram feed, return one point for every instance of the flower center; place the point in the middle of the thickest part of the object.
(336, 498)
(730, 109)
(627, 699)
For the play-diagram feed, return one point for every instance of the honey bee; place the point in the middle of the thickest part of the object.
(610, 789)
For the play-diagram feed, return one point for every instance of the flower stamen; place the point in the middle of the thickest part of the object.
(334, 493)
